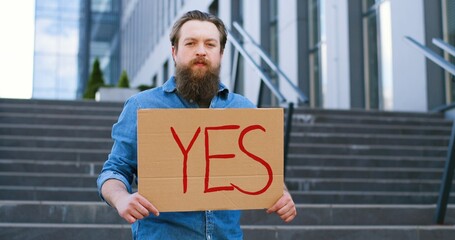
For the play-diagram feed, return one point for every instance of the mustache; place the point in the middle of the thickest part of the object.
(200, 60)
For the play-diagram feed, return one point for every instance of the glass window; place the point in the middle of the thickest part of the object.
(371, 60)
(51, 5)
(314, 29)
(44, 70)
(46, 35)
(102, 6)
(67, 72)
(69, 38)
(269, 40)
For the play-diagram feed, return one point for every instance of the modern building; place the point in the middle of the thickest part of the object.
(342, 54)
(69, 35)
(56, 49)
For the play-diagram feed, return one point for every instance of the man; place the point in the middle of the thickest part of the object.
(198, 40)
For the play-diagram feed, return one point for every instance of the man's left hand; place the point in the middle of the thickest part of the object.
(284, 207)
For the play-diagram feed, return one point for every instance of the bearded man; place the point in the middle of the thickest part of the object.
(198, 40)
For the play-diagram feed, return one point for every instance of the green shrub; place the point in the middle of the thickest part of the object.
(123, 82)
(95, 81)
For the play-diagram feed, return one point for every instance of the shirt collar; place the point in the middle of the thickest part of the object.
(170, 86)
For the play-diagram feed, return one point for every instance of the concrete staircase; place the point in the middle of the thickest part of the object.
(363, 175)
(354, 174)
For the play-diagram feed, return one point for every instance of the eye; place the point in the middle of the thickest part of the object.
(189, 44)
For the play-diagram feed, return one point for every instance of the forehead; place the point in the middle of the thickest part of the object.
(199, 30)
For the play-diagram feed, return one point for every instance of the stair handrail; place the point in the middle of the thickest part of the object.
(269, 62)
(264, 78)
(446, 181)
(438, 60)
(444, 46)
(446, 185)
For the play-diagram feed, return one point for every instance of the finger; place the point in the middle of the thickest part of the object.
(288, 214)
(148, 206)
(141, 210)
(285, 209)
(137, 214)
(291, 217)
(279, 204)
(130, 219)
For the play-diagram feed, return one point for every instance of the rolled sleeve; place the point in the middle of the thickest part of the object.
(106, 175)
(121, 163)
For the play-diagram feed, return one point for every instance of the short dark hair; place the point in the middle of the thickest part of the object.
(174, 36)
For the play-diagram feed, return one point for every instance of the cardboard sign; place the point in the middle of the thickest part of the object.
(210, 159)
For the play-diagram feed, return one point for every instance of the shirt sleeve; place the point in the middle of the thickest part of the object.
(122, 161)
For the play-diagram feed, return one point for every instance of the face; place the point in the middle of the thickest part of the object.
(198, 46)
(197, 61)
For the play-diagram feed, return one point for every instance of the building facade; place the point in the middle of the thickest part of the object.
(69, 35)
(342, 54)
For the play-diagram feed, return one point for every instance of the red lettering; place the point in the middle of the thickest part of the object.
(209, 157)
(219, 156)
(185, 154)
(256, 158)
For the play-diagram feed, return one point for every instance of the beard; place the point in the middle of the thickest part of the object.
(200, 84)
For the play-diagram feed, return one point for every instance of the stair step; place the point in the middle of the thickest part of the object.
(361, 112)
(349, 232)
(370, 139)
(371, 129)
(365, 161)
(375, 120)
(55, 142)
(57, 119)
(58, 212)
(44, 231)
(32, 166)
(63, 109)
(364, 172)
(55, 130)
(67, 103)
(369, 197)
(61, 154)
(360, 215)
(336, 184)
(48, 179)
(360, 149)
(48, 193)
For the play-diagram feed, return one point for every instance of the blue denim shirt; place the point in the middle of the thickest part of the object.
(122, 165)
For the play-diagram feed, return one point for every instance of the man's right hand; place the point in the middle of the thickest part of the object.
(131, 207)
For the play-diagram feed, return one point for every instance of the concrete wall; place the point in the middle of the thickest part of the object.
(287, 33)
(409, 67)
(336, 55)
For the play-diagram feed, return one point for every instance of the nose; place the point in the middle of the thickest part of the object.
(201, 51)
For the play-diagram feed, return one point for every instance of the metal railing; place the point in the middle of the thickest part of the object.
(440, 61)
(264, 56)
(265, 79)
(446, 182)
